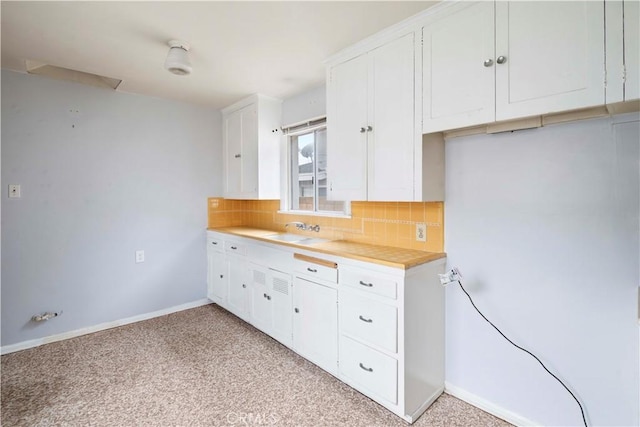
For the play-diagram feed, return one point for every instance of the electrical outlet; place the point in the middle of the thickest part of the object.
(14, 191)
(139, 257)
(421, 232)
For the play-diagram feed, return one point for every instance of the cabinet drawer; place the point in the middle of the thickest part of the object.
(369, 281)
(235, 248)
(214, 244)
(315, 268)
(370, 369)
(369, 321)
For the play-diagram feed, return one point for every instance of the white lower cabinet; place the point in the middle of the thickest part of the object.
(217, 271)
(270, 306)
(238, 292)
(315, 323)
(391, 329)
(371, 371)
(378, 329)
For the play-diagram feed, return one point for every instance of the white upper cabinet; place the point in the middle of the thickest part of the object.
(346, 130)
(391, 132)
(632, 50)
(251, 148)
(549, 57)
(623, 50)
(458, 57)
(505, 60)
(374, 141)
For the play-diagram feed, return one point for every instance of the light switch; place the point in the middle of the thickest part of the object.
(14, 191)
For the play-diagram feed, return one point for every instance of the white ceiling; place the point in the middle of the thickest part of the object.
(237, 47)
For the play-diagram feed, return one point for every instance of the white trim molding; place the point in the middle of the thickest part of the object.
(100, 327)
(487, 406)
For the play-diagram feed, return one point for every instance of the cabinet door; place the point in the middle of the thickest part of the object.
(458, 88)
(391, 117)
(232, 152)
(346, 130)
(315, 323)
(260, 306)
(632, 50)
(281, 313)
(217, 278)
(240, 152)
(554, 57)
(249, 154)
(238, 290)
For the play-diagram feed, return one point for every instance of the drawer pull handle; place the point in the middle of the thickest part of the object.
(365, 320)
(214, 243)
(313, 270)
(234, 247)
(368, 285)
(365, 368)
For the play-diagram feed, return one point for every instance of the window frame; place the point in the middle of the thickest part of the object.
(286, 202)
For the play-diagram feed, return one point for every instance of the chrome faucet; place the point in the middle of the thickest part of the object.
(302, 226)
(299, 225)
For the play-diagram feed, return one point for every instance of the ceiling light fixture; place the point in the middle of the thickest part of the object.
(178, 59)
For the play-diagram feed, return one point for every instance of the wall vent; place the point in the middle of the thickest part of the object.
(281, 286)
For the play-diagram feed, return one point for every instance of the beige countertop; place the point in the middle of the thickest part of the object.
(383, 255)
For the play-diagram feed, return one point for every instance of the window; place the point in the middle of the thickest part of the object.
(307, 146)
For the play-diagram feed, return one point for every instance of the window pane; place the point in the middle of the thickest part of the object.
(309, 173)
(302, 168)
(321, 175)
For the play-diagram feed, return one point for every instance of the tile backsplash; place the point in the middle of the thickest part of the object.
(381, 223)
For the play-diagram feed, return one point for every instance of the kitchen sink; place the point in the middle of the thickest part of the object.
(295, 238)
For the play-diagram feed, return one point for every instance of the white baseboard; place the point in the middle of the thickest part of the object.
(100, 327)
(488, 406)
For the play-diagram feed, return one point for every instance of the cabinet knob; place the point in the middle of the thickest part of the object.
(268, 297)
(244, 286)
(264, 295)
(221, 276)
(296, 310)
(363, 130)
(369, 128)
(237, 156)
(488, 62)
(501, 59)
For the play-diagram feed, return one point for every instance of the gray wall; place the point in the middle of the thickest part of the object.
(544, 225)
(103, 174)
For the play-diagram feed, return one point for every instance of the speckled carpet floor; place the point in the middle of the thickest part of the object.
(199, 367)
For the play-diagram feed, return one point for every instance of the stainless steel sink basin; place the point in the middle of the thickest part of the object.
(295, 238)
(285, 237)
